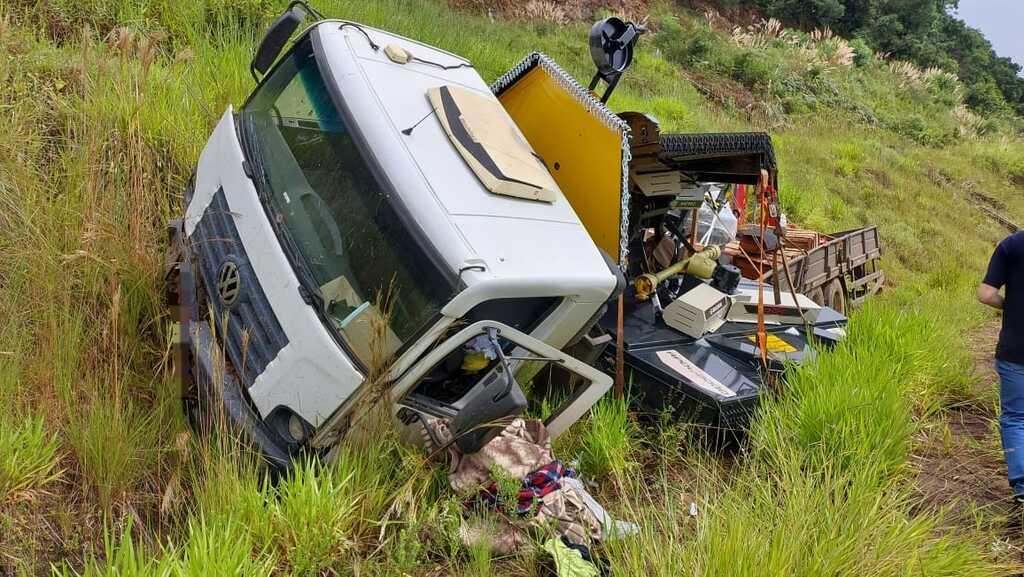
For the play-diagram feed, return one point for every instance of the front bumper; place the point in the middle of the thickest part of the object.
(230, 401)
(203, 367)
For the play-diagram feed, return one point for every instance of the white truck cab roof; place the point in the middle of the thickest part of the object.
(499, 245)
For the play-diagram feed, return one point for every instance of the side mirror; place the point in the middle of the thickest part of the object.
(275, 39)
(486, 409)
(611, 48)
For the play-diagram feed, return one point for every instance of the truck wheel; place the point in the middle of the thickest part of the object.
(818, 296)
(837, 296)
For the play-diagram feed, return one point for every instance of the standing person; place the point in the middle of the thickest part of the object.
(1006, 269)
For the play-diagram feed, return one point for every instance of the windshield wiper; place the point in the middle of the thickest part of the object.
(308, 287)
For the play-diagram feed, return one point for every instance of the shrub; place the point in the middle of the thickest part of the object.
(751, 69)
(862, 53)
(670, 39)
(945, 89)
(921, 130)
(986, 98)
(687, 46)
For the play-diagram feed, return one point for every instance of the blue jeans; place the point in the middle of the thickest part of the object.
(1011, 421)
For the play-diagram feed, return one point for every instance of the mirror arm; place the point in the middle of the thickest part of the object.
(277, 36)
(307, 8)
(611, 88)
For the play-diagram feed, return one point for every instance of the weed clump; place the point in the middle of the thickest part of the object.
(28, 458)
(609, 440)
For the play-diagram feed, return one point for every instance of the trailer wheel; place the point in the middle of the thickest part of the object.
(836, 296)
(818, 296)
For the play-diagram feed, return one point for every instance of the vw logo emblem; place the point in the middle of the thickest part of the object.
(229, 283)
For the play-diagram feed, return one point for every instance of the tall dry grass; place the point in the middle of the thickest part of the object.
(106, 106)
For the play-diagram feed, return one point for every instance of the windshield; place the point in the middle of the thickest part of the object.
(338, 216)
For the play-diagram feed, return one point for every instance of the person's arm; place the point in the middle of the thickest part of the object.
(995, 278)
(989, 295)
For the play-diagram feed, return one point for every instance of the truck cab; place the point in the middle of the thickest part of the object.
(371, 217)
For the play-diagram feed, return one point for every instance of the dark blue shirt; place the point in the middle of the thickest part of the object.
(1007, 269)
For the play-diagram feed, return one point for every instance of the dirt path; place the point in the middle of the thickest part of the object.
(960, 462)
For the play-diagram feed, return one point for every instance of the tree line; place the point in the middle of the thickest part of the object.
(922, 31)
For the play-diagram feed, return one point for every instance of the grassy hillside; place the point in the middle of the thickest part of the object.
(105, 108)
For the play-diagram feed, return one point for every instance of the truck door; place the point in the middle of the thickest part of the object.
(469, 381)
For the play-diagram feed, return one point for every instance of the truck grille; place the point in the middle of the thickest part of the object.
(248, 327)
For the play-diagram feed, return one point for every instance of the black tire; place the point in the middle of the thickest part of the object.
(836, 296)
(817, 295)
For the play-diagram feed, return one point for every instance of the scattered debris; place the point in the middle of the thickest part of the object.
(546, 498)
(569, 562)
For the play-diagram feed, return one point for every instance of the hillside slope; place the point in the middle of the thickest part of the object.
(106, 106)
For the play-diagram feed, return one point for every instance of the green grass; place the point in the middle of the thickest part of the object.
(609, 440)
(852, 408)
(28, 458)
(104, 120)
(116, 447)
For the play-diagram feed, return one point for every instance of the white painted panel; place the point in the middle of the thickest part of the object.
(311, 375)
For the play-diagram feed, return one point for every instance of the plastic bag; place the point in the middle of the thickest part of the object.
(714, 228)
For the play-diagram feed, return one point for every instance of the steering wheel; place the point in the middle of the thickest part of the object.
(325, 219)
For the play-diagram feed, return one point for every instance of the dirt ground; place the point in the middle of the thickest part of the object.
(960, 464)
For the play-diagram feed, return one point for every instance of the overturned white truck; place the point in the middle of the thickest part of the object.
(375, 210)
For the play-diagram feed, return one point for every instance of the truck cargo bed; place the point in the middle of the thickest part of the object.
(816, 260)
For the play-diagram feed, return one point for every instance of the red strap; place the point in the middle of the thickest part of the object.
(620, 361)
(739, 203)
(762, 336)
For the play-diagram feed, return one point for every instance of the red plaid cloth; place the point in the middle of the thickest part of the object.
(535, 486)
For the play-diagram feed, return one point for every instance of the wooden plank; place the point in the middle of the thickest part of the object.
(803, 239)
(814, 282)
(857, 283)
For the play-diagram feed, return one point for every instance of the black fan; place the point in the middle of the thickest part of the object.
(611, 48)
